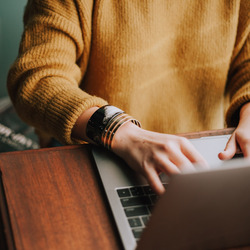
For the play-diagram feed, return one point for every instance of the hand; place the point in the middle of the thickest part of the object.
(240, 136)
(151, 153)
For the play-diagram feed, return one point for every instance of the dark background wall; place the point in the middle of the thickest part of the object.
(14, 133)
(11, 27)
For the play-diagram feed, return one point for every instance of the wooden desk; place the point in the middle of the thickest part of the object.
(53, 199)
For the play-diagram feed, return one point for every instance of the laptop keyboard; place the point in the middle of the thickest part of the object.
(138, 203)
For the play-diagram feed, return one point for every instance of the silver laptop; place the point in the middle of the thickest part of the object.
(132, 201)
(203, 210)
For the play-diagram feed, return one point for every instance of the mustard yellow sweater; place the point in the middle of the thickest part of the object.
(175, 65)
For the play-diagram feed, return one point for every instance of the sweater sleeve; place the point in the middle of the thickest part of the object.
(43, 82)
(238, 85)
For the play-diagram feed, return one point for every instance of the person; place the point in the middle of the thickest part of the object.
(174, 66)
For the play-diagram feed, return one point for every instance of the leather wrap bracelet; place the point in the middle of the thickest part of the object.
(104, 123)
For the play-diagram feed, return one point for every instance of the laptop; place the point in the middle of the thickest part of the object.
(134, 204)
(202, 210)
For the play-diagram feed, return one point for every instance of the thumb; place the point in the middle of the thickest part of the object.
(230, 149)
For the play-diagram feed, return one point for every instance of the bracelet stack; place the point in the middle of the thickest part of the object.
(104, 123)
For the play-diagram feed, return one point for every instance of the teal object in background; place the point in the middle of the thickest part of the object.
(11, 28)
(14, 133)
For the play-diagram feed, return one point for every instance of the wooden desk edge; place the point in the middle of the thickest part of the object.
(7, 239)
(193, 135)
(189, 135)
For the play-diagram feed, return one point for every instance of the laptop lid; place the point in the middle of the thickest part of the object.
(203, 210)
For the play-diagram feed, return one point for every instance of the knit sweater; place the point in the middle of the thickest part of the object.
(176, 66)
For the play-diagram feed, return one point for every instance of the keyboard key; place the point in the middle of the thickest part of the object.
(145, 219)
(136, 191)
(150, 208)
(135, 201)
(124, 192)
(154, 198)
(137, 232)
(148, 190)
(135, 222)
(136, 211)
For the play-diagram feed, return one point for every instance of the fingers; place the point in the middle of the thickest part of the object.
(154, 153)
(170, 163)
(185, 156)
(230, 149)
(241, 135)
(182, 156)
(179, 159)
(178, 163)
(244, 143)
(182, 162)
(246, 150)
(153, 168)
(193, 155)
(154, 181)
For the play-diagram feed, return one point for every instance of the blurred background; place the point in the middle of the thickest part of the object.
(14, 133)
(11, 27)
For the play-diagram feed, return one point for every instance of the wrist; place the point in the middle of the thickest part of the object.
(103, 124)
(127, 133)
(245, 110)
(79, 129)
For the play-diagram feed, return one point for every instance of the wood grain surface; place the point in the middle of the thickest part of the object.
(55, 201)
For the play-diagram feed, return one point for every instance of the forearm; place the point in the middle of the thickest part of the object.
(44, 80)
(79, 129)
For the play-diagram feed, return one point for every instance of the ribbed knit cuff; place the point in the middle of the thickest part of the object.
(65, 109)
(241, 97)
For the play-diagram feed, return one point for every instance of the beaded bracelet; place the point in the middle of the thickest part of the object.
(104, 123)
